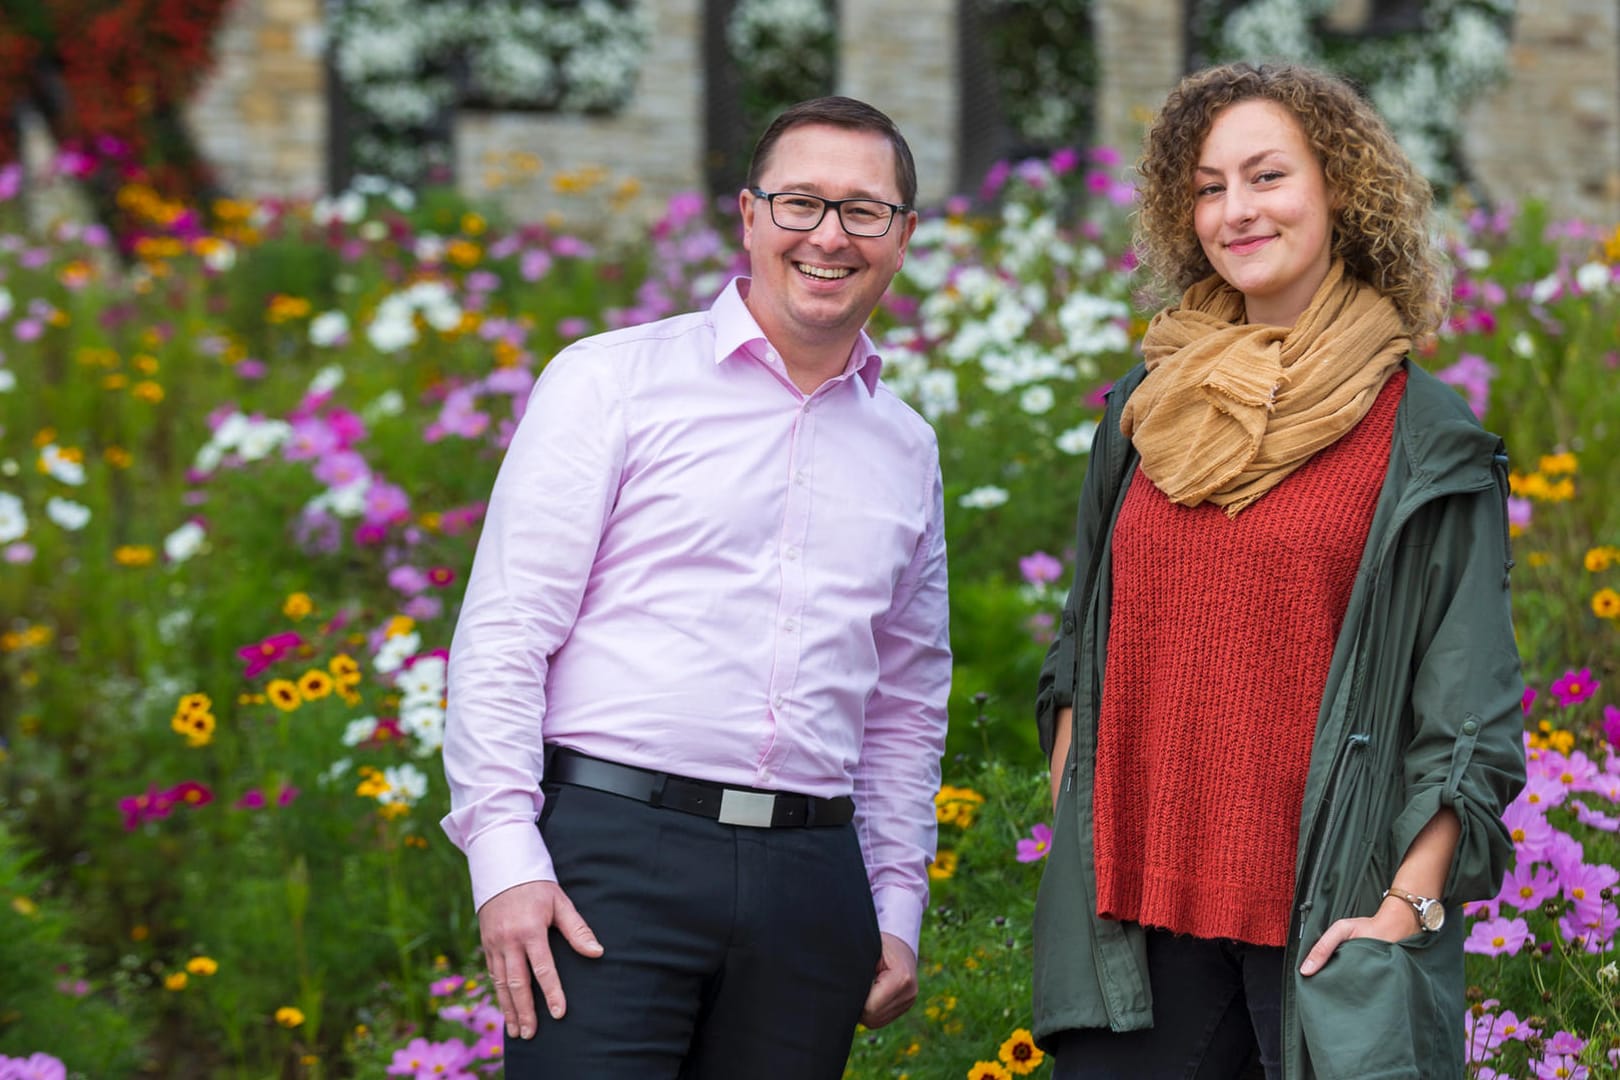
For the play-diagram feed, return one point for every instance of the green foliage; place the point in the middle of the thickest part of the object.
(43, 998)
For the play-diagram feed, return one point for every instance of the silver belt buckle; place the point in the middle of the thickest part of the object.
(750, 808)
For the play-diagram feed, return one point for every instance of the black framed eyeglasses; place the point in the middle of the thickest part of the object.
(802, 213)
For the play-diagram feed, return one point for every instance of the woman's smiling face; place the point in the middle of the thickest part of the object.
(1262, 210)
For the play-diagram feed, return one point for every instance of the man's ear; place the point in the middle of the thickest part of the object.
(747, 201)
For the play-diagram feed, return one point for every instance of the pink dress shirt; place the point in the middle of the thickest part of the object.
(690, 566)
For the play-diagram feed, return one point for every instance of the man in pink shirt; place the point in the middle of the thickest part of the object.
(704, 649)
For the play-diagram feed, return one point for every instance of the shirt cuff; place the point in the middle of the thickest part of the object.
(505, 856)
(900, 913)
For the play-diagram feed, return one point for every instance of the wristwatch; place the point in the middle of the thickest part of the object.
(1431, 913)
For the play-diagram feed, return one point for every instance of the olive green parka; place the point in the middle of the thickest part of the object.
(1421, 710)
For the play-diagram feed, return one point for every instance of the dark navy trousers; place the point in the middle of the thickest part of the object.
(729, 952)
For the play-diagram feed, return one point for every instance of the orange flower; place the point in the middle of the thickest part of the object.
(1020, 1054)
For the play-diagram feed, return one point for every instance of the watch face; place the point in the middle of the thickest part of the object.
(1432, 915)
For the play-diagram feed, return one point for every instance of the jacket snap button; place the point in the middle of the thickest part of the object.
(1470, 727)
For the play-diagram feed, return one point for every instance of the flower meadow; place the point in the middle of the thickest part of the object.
(243, 453)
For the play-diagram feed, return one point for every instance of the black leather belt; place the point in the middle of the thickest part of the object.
(727, 805)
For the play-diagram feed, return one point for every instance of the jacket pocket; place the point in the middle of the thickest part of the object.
(1386, 1010)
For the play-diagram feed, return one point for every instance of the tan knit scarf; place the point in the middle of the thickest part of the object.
(1228, 410)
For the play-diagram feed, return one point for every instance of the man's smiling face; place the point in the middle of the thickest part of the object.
(813, 291)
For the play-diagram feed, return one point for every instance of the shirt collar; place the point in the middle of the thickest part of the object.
(735, 331)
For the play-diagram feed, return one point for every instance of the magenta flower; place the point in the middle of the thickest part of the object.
(1472, 375)
(342, 469)
(441, 576)
(1497, 937)
(423, 1060)
(1038, 568)
(1573, 687)
(189, 793)
(252, 799)
(150, 805)
(1611, 725)
(1528, 699)
(261, 654)
(1034, 847)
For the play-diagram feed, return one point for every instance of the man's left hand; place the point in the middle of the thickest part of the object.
(895, 988)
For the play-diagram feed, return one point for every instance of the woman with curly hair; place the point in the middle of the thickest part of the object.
(1283, 708)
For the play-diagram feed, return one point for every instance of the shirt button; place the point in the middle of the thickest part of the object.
(801, 477)
(1470, 727)
(779, 701)
(789, 625)
(790, 554)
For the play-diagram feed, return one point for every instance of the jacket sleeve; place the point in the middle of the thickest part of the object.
(1467, 748)
(1055, 690)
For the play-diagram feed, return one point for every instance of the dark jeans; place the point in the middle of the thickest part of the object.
(729, 953)
(1217, 1015)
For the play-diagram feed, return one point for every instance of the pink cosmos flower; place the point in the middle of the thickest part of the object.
(1488, 1032)
(1573, 687)
(261, 654)
(1528, 827)
(407, 579)
(423, 608)
(1038, 568)
(1543, 792)
(1034, 847)
(342, 469)
(1611, 725)
(33, 1067)
(1498, 937)
(446, 986)
(1527, 885)
(1595, 819)
(441, 577)
(1528, 699)
(312, 438)
(1472, 375)
(1583, 887)
(424, 1060)
(386, 504)
(252, 799)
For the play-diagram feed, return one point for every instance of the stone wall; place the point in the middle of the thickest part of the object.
(262, 116)
(612, 172)
(901, 56)
(1552, 131)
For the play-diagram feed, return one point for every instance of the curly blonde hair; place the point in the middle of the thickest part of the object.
(1381, 225)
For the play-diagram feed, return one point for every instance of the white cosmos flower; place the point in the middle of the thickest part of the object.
(394, 652)
(388, 403)
(406, 784)
(8, 381)
(60, 467)
(1037, 399)
(983, 498)
(358, 731)
(1523, 344)
(68, 514)
(1077, 440)
(184, 542)
(13, 521)
(327, 379)
(328, 328)
(262, 438)
(1594, 277)
(1545, 289)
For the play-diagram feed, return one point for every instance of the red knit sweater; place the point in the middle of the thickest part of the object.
(1219, 645)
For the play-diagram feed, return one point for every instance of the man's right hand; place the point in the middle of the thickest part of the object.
(515, 926)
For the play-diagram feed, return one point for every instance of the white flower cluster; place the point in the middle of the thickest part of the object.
(773, 35)
(249, 438)
(394, 57)
(1421, 81)
(393, 327)
(421, 703)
